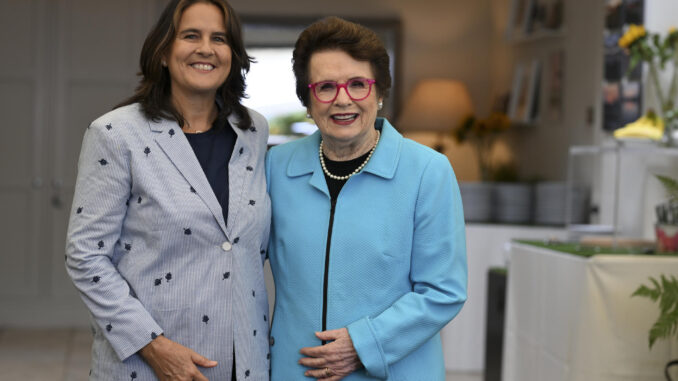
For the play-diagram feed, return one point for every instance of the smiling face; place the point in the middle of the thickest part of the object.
(343, 122)
(199, 59)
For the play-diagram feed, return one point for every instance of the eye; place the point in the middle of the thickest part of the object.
(220, 39)
(358, 83)
(327, 86)
(191, 36)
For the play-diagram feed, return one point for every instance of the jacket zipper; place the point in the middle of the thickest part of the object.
(333, 203)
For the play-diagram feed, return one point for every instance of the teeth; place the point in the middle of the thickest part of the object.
(203, 66)
(344, 117)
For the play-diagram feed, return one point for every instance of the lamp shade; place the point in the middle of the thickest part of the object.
(436, 105)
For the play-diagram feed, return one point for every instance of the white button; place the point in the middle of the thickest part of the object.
(226, 246)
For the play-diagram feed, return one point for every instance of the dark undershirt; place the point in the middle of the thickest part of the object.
(213, 148)
(340, 168)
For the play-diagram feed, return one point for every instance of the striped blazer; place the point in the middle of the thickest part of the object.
(150, 253)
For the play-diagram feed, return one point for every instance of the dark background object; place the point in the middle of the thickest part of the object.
(494, 328)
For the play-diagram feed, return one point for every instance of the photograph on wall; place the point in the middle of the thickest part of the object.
(544, 16)
(524, 98)
(534, 16)
(622, 98)
(518, 18)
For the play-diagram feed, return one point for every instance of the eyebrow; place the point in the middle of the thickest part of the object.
(193, 30)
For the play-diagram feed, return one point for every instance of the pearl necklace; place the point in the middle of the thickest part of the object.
(335, 177)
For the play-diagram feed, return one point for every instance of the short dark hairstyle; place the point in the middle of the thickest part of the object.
(154, 90)
(334, 33)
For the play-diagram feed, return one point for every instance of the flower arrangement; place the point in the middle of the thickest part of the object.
(658, 52)
(482, 133)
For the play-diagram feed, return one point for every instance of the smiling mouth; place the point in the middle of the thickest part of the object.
(203, 66)
(344, 117)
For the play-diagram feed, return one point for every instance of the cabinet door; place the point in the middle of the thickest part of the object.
(72, 60)
(21, 108)
(99, 43)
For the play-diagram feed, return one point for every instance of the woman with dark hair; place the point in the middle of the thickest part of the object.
(367, 239)
(170, 215)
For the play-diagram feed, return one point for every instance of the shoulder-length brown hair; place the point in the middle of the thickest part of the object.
(330, 33)
(154, 90)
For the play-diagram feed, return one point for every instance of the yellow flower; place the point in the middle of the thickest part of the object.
(633, 34)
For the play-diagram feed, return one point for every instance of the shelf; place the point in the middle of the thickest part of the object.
(536, 36)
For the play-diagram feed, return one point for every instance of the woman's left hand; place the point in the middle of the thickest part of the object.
(334, 360)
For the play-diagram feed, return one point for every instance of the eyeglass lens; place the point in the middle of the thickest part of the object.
(357, 88)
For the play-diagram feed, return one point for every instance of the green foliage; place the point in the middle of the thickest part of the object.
(281, 125)
(666, 292)
(670, 185)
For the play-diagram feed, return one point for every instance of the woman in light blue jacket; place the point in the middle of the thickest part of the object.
(170, 217)
(367, 241)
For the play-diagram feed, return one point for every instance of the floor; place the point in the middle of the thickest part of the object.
(63, 355)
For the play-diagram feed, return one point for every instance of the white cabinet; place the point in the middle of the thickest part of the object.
(486, 247)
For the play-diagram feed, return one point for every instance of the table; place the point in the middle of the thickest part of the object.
(573, 318)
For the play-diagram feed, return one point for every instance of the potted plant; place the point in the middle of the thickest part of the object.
(482, 134)
(666, 227)
(664, 291)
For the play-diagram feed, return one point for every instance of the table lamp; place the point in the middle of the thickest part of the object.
(438, 105)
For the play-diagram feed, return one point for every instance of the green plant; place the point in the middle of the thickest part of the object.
(670, 185)
(664, 291)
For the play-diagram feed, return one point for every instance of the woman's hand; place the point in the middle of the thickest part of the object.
(173, 361)
(332, 361)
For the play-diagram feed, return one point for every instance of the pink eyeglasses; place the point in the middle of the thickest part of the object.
(356, 88)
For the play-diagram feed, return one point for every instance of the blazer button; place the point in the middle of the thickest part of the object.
(271, 341)
(226, 246)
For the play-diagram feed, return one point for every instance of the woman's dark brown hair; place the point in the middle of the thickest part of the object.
(154, 90)
(334, 33)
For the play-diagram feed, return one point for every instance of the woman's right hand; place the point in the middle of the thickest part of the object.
(173, 361)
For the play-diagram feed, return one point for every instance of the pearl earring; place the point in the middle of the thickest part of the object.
(380, 105)
(308, 116)
(164, 63)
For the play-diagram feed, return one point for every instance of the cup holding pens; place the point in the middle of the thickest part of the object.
(667, 238)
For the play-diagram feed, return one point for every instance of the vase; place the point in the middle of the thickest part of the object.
(512, 203)
(476, 198)
(670, 137)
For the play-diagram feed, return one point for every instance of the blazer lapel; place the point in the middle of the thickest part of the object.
(173, 142)
(305, 160)
(236, 179)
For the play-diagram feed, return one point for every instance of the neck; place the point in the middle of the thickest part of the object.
(199, 112)
(343, 151)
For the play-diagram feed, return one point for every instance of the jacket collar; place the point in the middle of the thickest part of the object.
(176, 146)
(383, 162)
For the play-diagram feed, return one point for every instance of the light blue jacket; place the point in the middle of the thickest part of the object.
(150, 252)
(397, 271)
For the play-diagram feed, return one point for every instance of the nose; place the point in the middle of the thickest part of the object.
(342, 97)
(205, 47)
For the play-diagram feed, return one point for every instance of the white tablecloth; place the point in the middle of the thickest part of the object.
(486, 247)
(572, 318)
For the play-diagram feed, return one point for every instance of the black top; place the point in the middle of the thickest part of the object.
(213, 148)
(340, 168)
